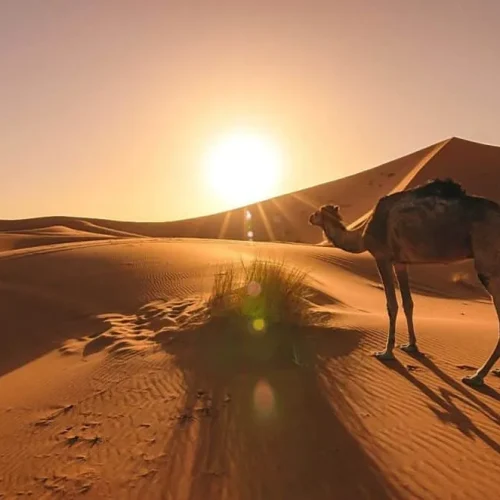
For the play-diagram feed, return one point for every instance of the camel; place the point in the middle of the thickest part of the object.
(434, 223)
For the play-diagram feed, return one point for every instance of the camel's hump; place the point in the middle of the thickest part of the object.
(444, 188)
(438, 188)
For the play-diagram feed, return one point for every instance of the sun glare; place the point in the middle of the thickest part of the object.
(243, 167)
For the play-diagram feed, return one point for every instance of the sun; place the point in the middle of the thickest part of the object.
(243, 167)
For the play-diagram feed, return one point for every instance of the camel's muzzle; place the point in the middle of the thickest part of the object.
(315, 219)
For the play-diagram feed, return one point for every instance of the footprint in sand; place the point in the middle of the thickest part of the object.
(152, 324)
(49, 419)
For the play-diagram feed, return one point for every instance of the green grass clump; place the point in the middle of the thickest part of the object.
(265, 292)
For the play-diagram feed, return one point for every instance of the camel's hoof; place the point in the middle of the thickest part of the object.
(384, 355)
(411, 348)
(473, 381)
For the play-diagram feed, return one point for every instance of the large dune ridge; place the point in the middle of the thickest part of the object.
(116, 383)
(282, 218)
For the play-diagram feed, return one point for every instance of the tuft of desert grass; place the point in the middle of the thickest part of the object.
(264, 291)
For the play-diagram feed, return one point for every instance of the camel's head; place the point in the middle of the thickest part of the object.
(327, 217)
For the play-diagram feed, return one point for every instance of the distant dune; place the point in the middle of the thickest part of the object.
(282, 218)
(115, 381)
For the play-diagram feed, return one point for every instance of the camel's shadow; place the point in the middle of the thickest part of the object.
(444, 400)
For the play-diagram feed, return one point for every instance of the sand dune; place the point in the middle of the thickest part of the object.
(116, 383)
(51, 235)
(282, 218)
(26, 233)
(112, 384)
(60, 225)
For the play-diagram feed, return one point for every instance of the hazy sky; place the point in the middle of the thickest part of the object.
(106, 107)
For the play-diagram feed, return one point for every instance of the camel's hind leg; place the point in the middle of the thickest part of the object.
(492, 284)
(404, 288)
(386, 272)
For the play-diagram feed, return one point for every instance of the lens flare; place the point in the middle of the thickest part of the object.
(263, 400)
(259, 325)
(254, 289)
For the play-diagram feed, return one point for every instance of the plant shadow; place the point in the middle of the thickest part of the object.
(265, 427)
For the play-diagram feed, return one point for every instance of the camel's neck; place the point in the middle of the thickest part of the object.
(350, 241)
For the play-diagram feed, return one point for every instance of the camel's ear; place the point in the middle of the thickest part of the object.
(333, 209)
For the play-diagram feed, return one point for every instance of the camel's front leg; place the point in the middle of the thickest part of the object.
(386, 272)
(404, 288)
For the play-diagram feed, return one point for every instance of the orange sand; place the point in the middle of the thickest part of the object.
(104, 390)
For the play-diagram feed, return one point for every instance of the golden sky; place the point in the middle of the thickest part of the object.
(107, 109)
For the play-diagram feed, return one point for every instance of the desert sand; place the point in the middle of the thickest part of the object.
(114, 384)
